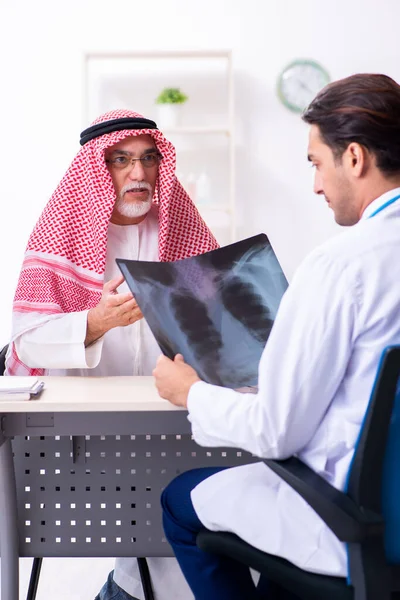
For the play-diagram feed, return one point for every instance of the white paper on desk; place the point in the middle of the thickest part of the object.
(15, 396)
(16, 385)
(19, 388)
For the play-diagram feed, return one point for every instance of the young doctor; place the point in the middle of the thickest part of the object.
(318, 366)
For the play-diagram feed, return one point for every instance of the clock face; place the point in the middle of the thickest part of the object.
(299, 83)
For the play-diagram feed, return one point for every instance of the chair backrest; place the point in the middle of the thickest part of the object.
(391, 486)
(3, 353)
(374, 476)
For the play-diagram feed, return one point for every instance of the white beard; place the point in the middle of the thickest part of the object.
(133, 209)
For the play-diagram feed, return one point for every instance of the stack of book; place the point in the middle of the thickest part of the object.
(20, 388)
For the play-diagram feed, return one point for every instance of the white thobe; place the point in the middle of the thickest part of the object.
(130, 350)
(315, 378)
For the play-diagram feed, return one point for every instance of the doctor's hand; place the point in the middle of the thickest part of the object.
(174, 378)
(113, 310)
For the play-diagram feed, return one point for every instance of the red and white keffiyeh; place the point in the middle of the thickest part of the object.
(63, 268)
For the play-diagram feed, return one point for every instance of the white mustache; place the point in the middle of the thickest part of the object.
(136, 185)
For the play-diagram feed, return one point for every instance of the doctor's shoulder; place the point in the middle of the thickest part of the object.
(343, 250)
(330, 264)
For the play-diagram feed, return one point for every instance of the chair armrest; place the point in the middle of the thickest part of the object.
(349, 522)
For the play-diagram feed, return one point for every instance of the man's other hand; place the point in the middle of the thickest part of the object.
(174, 378)
(113, 310)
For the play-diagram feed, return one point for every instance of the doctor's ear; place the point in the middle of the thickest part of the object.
(356, 159)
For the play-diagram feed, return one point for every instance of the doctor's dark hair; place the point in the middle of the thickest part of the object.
(363, 108)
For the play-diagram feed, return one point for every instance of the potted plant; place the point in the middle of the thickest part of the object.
(170, 101)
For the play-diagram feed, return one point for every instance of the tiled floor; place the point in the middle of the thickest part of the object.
(67, 578)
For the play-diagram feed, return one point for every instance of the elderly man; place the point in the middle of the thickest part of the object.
(318, 366)
(73, 313)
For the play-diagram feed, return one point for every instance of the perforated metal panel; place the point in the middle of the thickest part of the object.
(100, 495)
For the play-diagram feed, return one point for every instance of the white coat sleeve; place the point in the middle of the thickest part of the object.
(59, 344)
(303, 363)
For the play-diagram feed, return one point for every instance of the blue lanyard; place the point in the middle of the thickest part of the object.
(388, 203)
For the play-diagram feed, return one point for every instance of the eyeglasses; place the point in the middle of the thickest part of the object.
(122, 161)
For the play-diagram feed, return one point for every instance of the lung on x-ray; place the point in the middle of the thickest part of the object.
(216, 309)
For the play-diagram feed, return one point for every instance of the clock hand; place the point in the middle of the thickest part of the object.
(304, 87)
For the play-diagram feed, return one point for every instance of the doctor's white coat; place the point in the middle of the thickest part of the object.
(315, 378)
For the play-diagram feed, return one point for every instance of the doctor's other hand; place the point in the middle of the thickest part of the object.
(174, 378)
(113, 310)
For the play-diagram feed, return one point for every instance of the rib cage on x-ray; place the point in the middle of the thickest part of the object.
(217, 309)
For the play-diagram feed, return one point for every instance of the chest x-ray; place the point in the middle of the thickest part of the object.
(216, 309)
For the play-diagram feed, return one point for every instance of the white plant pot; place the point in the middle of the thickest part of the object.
(169, 115)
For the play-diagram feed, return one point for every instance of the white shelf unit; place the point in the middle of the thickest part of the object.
(204, 139)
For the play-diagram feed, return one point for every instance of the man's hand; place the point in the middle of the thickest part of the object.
(174, 378)
(113, 310)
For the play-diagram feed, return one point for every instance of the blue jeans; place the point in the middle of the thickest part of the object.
(112, 591)
(210, 577)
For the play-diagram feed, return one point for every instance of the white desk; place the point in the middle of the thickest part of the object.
(92, 394)
(91, 457)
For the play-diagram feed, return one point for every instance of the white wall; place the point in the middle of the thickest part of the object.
(41, 49)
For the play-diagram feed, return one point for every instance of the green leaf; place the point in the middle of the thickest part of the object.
(171, 96)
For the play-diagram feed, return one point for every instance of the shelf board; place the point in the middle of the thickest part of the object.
(162, 54)
(195, 130)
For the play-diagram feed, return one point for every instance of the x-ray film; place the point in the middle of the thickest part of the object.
(216, 309)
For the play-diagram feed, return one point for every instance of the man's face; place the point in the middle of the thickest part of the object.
(134, 180)
(332, 179)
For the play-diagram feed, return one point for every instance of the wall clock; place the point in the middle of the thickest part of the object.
(299, 83)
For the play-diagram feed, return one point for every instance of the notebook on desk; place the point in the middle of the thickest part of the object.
(216, 309)
(20, 388)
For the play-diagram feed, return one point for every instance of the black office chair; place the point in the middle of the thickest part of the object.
(3, 353)
(366, 516)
